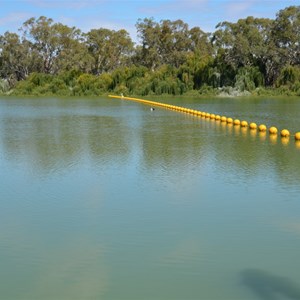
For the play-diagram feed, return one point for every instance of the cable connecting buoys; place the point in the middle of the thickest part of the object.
(273, 130)
(241, 126)
(285, 133)
(262, 128)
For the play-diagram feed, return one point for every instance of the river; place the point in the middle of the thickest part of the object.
(105, 199)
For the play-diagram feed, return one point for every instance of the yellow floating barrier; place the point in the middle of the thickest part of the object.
(237, 122)
(285, 133)
(262, 128)
(273, 130)
(297, 136)
(244, 124)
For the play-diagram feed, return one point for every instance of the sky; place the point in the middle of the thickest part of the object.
(124, 14)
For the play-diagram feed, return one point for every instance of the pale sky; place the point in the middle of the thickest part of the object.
(123, 14)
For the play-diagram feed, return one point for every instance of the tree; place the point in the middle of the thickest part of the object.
(43, 38)
(73, 53)
(16, 60)
(286, 34)
(109, 49)
(249, 43)
(169, 42)
(149, 33)
(57, 45)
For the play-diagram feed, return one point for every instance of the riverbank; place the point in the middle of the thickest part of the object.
(224, 92)
(74, 84)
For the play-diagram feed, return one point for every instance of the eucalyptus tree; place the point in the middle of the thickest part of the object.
(41, 35)
(16, 59)
(169, 42)
(73, 53)
(109, 49)
(286, 33)
(148, 52)
(200, 42)
(249, 43)
(175, 42)
(57, 45)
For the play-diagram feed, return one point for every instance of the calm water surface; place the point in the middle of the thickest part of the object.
(104, 199)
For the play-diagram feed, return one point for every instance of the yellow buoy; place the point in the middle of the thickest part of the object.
(229, 120)
(285, 133)
(297, 136)
(237, 122)
(217, 117)
(273, 130)
(207, 115)
(212, 116)
(253, 126)
(262, 128)
(244, 123)
(223, 119)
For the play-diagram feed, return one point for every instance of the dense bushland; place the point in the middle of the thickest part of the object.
(253, 55)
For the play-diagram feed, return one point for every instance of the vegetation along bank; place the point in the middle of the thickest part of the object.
(254, 56)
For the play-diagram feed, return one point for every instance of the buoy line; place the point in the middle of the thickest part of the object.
(284, 133)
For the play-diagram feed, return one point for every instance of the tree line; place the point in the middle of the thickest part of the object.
(254, 55)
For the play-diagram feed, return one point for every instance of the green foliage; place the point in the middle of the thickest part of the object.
(248, 78)
(289, 75)
(4, 86)
(252, 54)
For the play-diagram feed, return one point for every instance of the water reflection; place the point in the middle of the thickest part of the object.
(60, 140)
(267, 286)
(155, 203)
(53, 144)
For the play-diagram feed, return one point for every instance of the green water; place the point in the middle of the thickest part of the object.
(104, 199)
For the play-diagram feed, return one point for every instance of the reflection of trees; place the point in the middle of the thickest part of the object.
(253, 153)
(59, 142)
(170, 144)
(268, 286)
(173, 141)
(193, 141)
